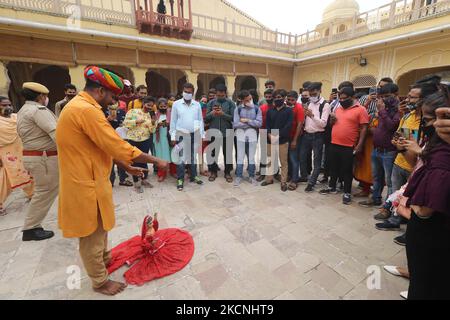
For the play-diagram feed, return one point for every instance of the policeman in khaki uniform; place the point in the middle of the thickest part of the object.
(36, 125)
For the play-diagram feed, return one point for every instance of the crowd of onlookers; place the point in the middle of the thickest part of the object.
(397, 148)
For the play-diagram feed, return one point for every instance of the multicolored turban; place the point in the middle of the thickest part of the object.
(105, 78)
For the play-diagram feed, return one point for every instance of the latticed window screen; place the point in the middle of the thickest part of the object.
(365, 81)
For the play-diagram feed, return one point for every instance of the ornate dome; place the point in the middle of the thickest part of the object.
(340, 9)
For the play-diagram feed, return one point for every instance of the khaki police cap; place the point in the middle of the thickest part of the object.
(36, 87)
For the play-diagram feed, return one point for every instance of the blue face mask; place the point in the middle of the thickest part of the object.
(221, 100)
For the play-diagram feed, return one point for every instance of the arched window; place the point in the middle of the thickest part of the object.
(342, 28)
(327, 32)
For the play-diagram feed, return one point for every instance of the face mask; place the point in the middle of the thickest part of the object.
(390, 102)
(46, 101)
(187, 96)
(71, 96)
(221, 100)
(269, 101)
(249, 104)
(305, 100)
(347, 103)
(315, 99)
(278, 103)
(163, 111)
(170, 104)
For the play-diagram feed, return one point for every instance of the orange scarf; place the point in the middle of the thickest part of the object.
(8, 130)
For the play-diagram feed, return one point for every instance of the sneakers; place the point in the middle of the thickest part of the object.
(383, 215)
(197, 180)
(401, 240)
(387, 226)
(180, 185)
(237, 181)
(309, 188)
(347, 199)
(253, 181)
(392, 270)
(370, 203)
(37, 234)
(328, 191)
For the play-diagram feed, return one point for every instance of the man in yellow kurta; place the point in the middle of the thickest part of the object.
(87, 144)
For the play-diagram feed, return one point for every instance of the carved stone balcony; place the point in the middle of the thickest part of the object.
(173, 25)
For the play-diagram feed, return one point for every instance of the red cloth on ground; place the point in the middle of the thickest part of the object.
(166, 253)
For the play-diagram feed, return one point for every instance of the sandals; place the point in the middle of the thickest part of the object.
(3, 212)
(228, 178)
(212, 177)
(292, 187)
(265, 184)
(126, 183)
(284, 187)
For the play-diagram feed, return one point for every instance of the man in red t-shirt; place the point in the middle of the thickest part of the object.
(296, 133)
(349, 130)
(268, 97)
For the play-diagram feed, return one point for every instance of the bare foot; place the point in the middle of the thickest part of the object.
(111, 288)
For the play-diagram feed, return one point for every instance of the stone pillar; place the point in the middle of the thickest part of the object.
(231, 85)
(261, 86)
(192, 77)
(77, 77)
(139, 75)
(4, 80)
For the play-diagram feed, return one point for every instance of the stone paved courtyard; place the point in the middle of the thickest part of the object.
(251, 243)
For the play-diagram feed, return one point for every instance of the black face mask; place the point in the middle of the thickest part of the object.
(269, 101)
(347, 103)
(305, 100)
(411, 106)
(278, 103)
(163, 111)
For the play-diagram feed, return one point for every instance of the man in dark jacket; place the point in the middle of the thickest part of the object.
(219, 116)
(278, 123)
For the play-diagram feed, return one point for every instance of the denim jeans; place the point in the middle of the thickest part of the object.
(294, 161)
(400, 177)
(382, 164)
(246, 149)
(181, 167)
(122, 174)
(311, 142)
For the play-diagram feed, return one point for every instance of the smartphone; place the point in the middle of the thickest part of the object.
(406, 133)
(334, 91)
(397, 135)
(373, 91)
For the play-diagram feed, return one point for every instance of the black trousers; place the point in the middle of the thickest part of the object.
(144, 146)
(428, 253)
(214, 167)
(341, 166)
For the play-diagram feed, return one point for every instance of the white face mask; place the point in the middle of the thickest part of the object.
(249, 104)
(187, 96)
(46, 101)
(315, 99)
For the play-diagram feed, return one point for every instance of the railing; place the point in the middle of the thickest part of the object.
(392, 15)
(209, 28)
(395, 14)
(75, 10)
(155, 18)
